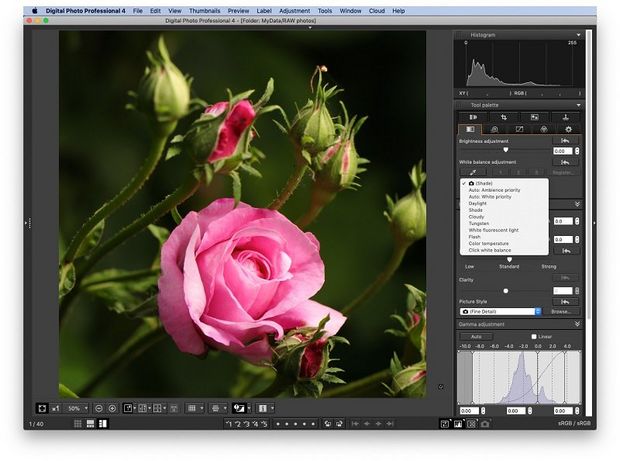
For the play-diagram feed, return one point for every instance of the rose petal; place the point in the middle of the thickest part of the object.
(195, 296)
(314, 240)
(306, 266)
(245, 332)
(308, 314)
(253, 294)
(217, 108)
(221, 302)
(220, 227)
(217, 209)
(171, 298)
(255, 352)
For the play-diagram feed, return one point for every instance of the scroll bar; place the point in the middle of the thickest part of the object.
(590, 226)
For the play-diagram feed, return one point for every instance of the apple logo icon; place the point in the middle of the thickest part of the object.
(34, 11)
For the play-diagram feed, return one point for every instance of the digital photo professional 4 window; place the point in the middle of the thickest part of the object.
(309, 218)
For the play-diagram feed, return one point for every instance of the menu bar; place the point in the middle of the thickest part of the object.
(308, 11)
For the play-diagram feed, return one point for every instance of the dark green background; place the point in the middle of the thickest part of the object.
(102, 145)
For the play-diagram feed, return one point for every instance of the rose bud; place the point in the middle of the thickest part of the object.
(220, 138)
(409, 381)
(163, 92)
(221, 134)
(302, 359)
(297, 357)
(407, 216)
(338, 166)
(313, 130)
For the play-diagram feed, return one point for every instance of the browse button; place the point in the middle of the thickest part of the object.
(562, 311)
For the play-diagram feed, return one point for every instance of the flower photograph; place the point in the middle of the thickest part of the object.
(242, 214)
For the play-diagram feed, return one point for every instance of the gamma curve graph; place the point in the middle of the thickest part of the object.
(519, 377)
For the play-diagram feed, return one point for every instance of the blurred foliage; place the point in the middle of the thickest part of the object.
(102, 145)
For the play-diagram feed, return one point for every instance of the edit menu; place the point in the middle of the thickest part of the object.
(524, 224)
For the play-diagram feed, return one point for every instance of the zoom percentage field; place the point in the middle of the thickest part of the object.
(508, 216)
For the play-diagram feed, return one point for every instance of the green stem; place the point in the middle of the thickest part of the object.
(321, 197)
(129, 351)
(183, 192)
(134, 185)
(356, 387)
(293, 182)
(121, 278)
(381, 280)
(309, 216)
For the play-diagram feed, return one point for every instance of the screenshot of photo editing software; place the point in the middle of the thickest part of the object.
(362, 219)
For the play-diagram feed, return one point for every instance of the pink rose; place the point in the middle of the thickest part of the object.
(236, 122)
(232, 276)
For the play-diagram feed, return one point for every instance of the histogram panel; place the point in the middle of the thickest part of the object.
(519, 63)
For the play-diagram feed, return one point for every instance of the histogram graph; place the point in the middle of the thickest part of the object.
(519, 63)
(519, 377)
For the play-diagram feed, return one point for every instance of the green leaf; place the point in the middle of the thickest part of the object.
(208, 174)
(91, 241)
(250, 170)
(334, 370)
(160, 233)
(266, 95)
(418, 176)
(307, 140)
(176, 215)
(236, 186)
(416, 299)
(64, 391)
(121, 290)
(257, 154)
(397, 333)
(267, 109)
(161, 47)
(400, 320)
(332, 379)
(147, 308)
(395, 365)
(339, 339)
(66, 279)
(307, 157)
(390, 204)
(238, 97)
(281, 127)
(173, 151)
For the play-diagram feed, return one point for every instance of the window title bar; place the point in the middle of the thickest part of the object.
(310, 11)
